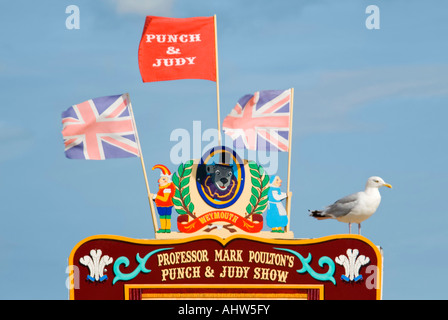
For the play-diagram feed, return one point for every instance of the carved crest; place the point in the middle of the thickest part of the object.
(352, 263)
(96, 265)
(214, 193)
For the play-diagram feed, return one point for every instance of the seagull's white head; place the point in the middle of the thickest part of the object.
(376, 182)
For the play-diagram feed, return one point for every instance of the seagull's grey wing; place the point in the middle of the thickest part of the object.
(342, 207)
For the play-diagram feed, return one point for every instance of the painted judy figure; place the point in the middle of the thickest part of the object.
(276, 217)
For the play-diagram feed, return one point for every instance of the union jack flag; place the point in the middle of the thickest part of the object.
(99, 129)
(260, 121)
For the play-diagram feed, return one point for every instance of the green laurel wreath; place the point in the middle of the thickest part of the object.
(259, 191)
(181, 199)
(260, 188)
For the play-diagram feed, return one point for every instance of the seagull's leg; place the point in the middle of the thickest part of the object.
(359, 228)
(349, 228)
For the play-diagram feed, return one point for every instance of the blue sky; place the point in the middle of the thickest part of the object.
(367, 102)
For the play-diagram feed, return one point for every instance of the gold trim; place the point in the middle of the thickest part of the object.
(224, 296)
(235, 295)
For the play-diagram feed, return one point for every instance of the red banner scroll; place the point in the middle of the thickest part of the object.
(247, 225)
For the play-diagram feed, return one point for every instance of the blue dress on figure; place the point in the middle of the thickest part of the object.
(276, 215)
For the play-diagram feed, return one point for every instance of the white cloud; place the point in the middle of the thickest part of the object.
(144, 7)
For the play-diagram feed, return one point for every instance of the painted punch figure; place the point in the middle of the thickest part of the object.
(163, 198)
(276, 217)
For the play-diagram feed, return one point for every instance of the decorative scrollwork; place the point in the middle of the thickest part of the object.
(327, 276)
(140, 268)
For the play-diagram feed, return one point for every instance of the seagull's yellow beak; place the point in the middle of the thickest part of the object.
(387, 185)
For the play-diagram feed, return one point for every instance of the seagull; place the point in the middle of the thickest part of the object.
(354, 208)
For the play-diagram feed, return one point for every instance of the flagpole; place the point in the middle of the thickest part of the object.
(217, 81)
(288, 199)
(151, 204)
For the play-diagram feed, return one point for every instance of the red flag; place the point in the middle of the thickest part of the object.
(177, 48)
